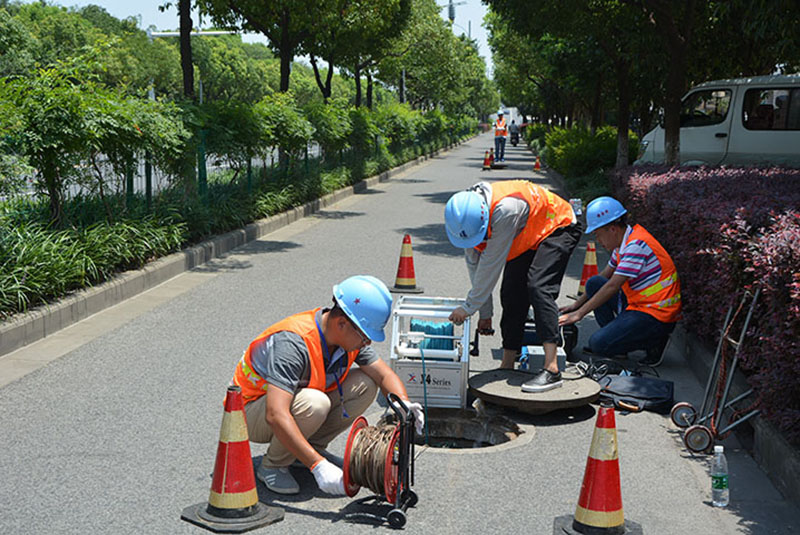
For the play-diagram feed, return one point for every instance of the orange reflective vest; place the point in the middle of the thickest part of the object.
(546, 213)
(254, 386)
(500, 127)
(661, 300)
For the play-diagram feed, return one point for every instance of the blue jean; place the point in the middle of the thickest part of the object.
(499, 147)
(622, 331)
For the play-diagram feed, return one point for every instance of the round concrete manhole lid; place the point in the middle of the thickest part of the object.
(504, 387)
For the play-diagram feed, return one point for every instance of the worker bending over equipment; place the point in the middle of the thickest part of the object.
(527, 233)
(637, 297)
(298, 388)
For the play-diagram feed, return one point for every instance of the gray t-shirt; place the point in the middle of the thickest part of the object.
(283, 360)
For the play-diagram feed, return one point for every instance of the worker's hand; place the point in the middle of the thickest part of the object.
(330, 478)
(485, 326)
(569, 319)
(419, 416)
(458, 316)
(417, 411)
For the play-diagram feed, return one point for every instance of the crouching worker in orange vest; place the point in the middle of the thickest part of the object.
(527, 233)
(637, 297)
(299, 389)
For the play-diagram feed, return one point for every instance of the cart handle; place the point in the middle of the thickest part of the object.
(405, 415)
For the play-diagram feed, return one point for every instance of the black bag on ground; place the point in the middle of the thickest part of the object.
(638, 393)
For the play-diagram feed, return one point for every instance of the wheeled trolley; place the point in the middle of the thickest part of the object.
(716, 410)
(397, 466)
(428, 352)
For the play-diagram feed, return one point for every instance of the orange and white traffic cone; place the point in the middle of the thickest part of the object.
(487, 164)
(599, 509)
(406, 281)
(538, 165)
(491, 157)
(589, 266)
(233, 505)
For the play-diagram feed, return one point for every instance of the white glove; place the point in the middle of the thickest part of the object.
(416, 410)
(330, 478)
(419, 416)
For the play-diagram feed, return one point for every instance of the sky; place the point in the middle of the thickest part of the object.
(469, 18)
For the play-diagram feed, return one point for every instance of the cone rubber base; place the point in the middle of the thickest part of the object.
(264, 515)
(562, 525)
(406, 290)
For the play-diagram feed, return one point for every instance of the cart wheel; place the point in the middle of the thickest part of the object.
(683, 414)
(698, 439)
(410, 497)
(397, 518)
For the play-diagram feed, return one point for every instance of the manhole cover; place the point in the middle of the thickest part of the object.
(464, 429)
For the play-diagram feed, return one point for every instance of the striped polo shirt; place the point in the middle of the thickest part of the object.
(637, 262)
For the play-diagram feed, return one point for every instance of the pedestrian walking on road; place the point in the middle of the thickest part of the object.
(298, 388)
(636, 299)
(500, 134)
(528, 233)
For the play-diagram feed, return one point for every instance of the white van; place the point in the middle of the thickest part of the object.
(744, 121)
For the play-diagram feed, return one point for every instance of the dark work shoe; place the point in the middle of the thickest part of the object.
(655, 354)
(543, 381)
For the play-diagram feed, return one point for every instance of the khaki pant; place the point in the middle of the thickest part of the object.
(318, 415)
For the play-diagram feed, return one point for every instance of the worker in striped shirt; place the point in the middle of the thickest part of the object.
(636, 299)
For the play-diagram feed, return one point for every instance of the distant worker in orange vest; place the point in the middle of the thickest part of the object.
(298, 388)
(527, 233)
(636, 299)
(500, 134)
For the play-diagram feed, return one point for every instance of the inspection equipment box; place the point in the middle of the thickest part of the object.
(428, 352)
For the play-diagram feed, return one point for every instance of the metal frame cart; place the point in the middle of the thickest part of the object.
(700, 438)
(398, 469)
(433, 377)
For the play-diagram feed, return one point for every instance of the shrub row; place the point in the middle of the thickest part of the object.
(577, 151)
(728, 229)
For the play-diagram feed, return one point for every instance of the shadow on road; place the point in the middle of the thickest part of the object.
(432, 240)
(229, 262)
(336, 214)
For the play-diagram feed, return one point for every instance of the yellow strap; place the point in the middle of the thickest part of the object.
(252, 376)
(660, 285)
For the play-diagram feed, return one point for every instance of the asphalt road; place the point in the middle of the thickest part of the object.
(119, 434)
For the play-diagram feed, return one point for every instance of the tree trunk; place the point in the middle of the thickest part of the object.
(184, 14)
(287, 52)
(402, 95)
(595, 119)
(369, 90)
(325, 88)
(357, 75)
(623, 112)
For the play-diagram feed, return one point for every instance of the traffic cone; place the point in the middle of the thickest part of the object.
(406, 281)
(599, 509)
(233, 505)
(491, 157)
(589, 266)
(487, 164)
(538, 165)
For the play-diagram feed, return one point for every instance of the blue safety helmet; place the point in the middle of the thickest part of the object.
(367, 302)
(466, 218)
(602, 211)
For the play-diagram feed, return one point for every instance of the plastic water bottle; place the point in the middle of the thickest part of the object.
(719, 478)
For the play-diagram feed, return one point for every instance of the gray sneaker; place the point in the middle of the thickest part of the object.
(543, 381)
(278, 479)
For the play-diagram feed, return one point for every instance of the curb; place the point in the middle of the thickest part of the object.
(24, 329)
(773, 453)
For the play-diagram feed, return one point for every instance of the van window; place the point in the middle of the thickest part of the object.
(707, 107)
(771, 109)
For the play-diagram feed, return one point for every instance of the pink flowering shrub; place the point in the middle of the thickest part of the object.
(728, 228)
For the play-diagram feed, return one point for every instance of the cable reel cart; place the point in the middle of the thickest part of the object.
(428, 352)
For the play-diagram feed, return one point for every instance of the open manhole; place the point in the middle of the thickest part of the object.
(465, 429)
